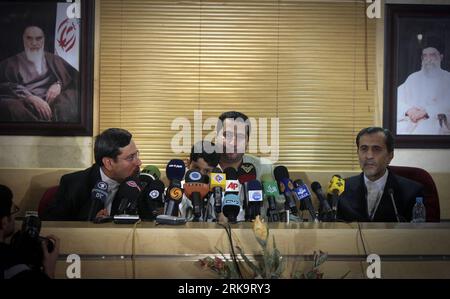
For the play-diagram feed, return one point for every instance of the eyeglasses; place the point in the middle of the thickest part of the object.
(132, 157)
(15, 209)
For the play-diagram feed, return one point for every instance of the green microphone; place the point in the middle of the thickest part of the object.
(271, 192)
(149, 174)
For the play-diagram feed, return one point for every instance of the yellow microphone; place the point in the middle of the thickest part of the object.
(335, 189)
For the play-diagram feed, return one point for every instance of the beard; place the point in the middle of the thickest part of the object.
(37, 58)
(430, 66)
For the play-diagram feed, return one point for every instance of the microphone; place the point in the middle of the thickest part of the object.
(217, 186)
(335, 189)
(304, 195)
(99, 194)
(196, 188)
(255, 198)
(174, 171)
(232, 182)
(286, 186)
(152, 200)
(391, 195)
(231, 205)
(324, 207)
(129, 192)
(246, 173)
(270, 193)
(149, 174)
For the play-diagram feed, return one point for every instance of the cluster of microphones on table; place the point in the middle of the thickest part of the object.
(229, 192)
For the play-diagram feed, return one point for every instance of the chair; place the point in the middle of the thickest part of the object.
(46, 199)
(421, 176)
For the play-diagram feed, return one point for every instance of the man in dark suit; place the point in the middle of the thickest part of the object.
(377, 194)
(116, 158)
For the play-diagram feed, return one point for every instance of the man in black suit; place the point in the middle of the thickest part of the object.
(376, 194)
(116, 158)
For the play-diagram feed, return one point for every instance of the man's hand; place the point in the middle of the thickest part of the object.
(42, 108)
(53, 92)
(50, 258)
(415, 114)
(102, 213)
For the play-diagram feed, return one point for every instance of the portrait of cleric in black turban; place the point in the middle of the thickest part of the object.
(39, 63)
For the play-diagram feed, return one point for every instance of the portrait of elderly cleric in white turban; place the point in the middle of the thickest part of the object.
(423, 100)
(36, 85)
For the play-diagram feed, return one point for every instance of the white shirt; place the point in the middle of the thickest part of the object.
(113, 186)
(374, 193)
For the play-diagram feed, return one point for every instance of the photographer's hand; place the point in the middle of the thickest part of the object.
(50, 258)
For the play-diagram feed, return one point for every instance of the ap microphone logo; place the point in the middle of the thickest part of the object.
(232, 186)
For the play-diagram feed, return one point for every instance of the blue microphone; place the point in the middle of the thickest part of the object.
(304, 195)
(175, 170)
(231, 205)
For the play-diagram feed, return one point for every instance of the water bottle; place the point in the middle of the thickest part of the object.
(419, 213)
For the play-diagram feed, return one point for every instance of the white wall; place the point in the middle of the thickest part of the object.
(45, 152)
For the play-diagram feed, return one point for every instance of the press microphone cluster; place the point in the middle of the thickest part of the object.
(145, 195)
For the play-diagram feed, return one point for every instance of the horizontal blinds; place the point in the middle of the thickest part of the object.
(301, 62)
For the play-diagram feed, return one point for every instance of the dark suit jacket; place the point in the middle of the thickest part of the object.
(352, 204)
(73, 199)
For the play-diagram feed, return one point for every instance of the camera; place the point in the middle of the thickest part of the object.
(27, 241)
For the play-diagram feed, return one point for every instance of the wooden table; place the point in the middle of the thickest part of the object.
(161, 251)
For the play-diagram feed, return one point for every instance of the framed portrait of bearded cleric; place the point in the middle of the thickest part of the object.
(46, 66)
(417, 75)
